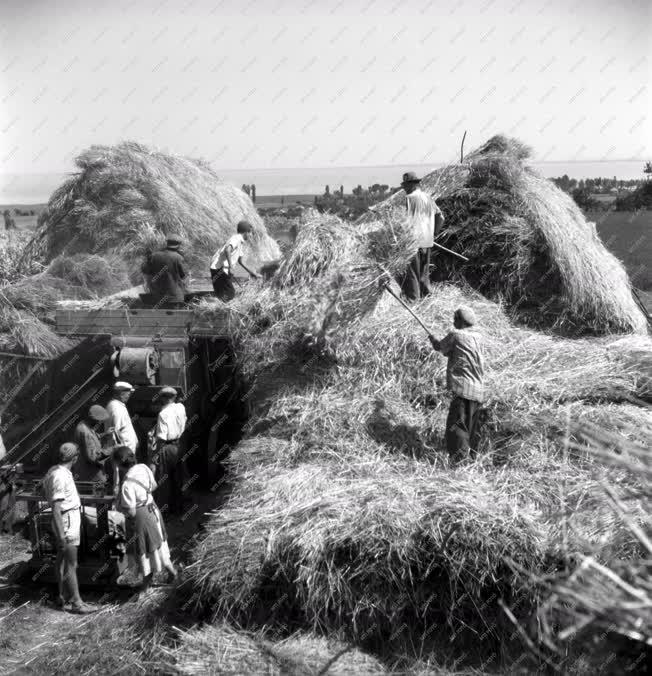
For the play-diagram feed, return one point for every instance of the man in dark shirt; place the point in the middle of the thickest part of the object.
(90, 465)
(166, 273)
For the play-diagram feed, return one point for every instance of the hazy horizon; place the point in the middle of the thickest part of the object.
(36, 188)
(298, 84)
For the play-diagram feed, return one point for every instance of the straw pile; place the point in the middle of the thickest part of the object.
(598, 597)
(222, 649)
(528, 243)
(125, 198)
(348, 517)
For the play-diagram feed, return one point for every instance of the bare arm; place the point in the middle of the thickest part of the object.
(229, 251)
(57, 522)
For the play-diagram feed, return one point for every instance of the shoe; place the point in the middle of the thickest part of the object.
(82, 609)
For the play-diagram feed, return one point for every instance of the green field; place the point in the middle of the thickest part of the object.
(22, 222)
(629, 236)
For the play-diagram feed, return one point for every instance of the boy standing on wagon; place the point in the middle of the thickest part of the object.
(225, 260)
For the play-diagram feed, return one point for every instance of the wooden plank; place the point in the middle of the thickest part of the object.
(174, 332)
(140, 312)
(174, 320)
(112, 326)
(118, 327)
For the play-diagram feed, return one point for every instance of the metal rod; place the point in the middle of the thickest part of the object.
(46, 418)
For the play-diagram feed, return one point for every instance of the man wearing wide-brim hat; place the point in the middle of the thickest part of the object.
(165, 271)
(425, 217)
(90, 466)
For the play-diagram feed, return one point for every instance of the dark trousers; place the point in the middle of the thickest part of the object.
(222, 285)
(462, 427)
(170, 477)
(416, 280)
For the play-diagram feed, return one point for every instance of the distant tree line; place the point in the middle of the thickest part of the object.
(354, 204)
(585, 191)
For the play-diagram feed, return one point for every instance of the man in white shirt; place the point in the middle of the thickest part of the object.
(225, 260)
(167, 458)
(426, 219)
(119, 420)
(61, 493)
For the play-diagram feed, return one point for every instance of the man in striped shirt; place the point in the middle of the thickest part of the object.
(465, 380)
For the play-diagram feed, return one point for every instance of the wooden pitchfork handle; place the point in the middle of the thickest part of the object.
(407, 307)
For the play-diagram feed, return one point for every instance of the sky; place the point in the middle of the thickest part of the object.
(301, 83)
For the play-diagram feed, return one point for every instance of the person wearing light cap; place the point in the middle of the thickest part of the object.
(426, 219)
(90, 466)
(119, 421)
(465, 379)
(61, 493)
(120, 425)
(166, 271)
(167, 460)
(226, 258)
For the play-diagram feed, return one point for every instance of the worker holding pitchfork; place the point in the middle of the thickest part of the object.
(465, 380)
(425, 217)
(464, 377)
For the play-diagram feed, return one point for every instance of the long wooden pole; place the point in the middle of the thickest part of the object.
(449, 251)
(408, 308)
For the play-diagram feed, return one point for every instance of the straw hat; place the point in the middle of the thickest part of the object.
(410, 177)
(123, 386)
(168, 391)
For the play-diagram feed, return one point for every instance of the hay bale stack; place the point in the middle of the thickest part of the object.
(371, 543)
(127, 197)
(347, 514)
(528, 243)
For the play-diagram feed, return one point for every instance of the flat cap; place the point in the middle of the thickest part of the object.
(123, 386)
(168, 391)
(68, 451)
(98, 413)
(465, 314)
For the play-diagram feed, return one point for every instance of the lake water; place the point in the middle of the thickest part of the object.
(37, 188)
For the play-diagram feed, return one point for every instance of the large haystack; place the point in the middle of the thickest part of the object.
(528, 243)
(347, 516)
(126, 197)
